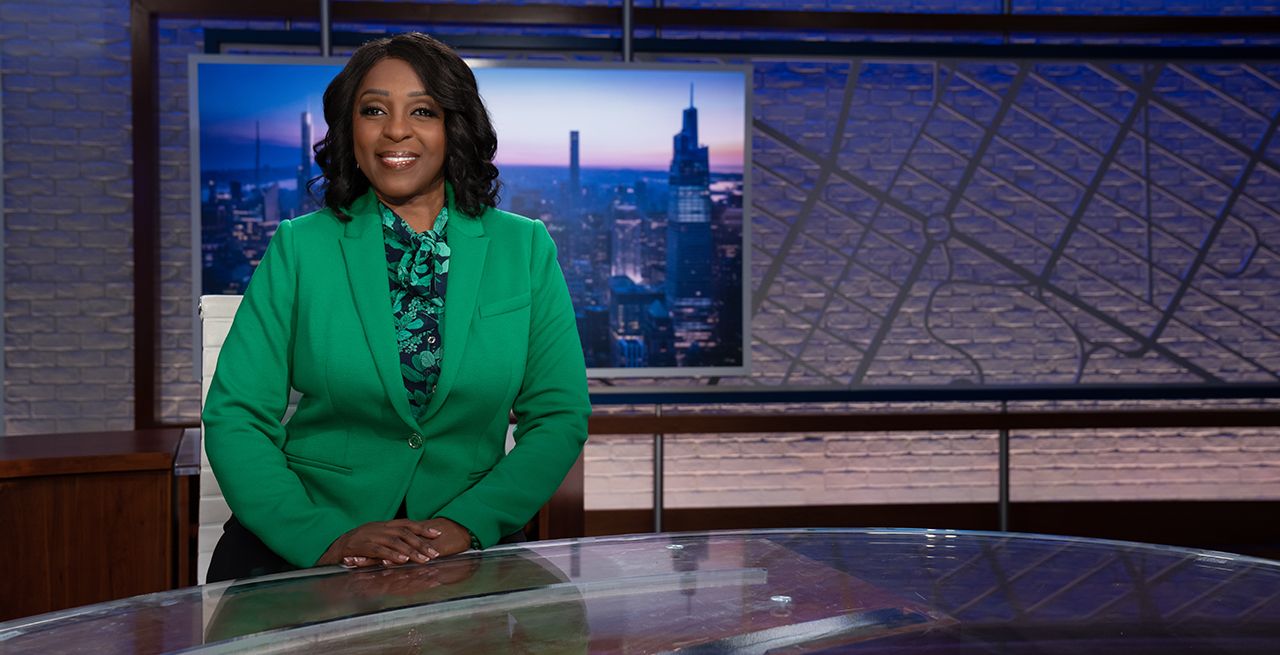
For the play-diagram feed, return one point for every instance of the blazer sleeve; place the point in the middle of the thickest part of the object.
(242, 416)
(551, 410)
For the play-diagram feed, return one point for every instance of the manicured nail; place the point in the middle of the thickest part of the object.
(434, 532)
(432, 552)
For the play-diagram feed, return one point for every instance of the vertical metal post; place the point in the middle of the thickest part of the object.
(2, 251)
(1004, 471)
(657, 475)
(1008, 11)
(1148, 71)
(627, 7)
(326, 29)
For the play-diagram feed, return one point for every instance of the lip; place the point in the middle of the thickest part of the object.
(398, 160)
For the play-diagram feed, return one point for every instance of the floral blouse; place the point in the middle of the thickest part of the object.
(418, 266)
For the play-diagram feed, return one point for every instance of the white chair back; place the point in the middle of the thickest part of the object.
(216, 314)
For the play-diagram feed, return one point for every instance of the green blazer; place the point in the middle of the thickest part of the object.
(317, 318)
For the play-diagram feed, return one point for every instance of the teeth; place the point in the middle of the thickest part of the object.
(398, 160)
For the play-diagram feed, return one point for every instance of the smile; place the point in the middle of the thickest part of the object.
(398, 160)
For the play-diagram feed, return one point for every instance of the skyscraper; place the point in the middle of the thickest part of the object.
(627, 245)
(257, 154)
(690, 251)
(575, 179)
(304, 166)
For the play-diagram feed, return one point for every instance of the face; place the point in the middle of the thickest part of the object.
(399, 134)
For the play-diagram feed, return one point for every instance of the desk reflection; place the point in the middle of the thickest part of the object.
(407, 609)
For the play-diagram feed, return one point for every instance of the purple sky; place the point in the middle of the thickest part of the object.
(626, 117)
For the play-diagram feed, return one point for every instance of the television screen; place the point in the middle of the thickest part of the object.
(636, 169)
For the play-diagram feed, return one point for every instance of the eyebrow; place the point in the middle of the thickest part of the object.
(384, 92)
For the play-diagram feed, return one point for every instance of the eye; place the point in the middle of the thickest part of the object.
(370, 110)
(425, 111)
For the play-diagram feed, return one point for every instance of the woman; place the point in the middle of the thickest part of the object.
(412, 316)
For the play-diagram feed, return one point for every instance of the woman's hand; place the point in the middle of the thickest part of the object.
(446, 538)
(453, 538)
(390, 542)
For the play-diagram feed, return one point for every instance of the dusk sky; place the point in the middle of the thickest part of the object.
(233, 95)
(626, 119)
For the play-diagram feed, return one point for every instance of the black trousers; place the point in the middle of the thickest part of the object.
(241, 554)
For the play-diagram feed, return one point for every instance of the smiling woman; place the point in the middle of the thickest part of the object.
(408, 64)
(395, 453)
(400, 142)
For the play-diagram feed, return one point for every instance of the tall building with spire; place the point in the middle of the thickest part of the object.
(304, 165)
(257, 155)
(690, 250)
(575, 173)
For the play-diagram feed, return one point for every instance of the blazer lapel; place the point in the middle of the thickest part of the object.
(468, 247)
(365, 256)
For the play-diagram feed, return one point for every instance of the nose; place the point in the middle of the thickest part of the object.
(396, 127)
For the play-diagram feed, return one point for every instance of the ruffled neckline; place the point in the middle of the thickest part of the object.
(419, 257)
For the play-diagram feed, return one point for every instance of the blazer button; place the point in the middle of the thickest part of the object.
(415, 440)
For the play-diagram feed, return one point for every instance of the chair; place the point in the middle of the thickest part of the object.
(216, 314)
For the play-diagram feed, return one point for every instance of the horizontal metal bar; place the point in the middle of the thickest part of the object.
(723, 19)
(898, 394)
(928, 421)
(215, 39)
(958, 50)
(941, 22)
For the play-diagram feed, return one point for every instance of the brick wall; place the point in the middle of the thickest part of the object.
(68, 227)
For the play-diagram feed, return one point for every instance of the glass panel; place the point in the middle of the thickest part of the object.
(1147, 464)
(825, 469)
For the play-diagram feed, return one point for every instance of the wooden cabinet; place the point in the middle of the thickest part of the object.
(91, 517)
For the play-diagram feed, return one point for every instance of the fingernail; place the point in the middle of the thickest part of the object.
(402, 557)
(434, 532)
(349, 561)
(432, 552)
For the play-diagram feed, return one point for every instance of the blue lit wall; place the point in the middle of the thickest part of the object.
(940, 222)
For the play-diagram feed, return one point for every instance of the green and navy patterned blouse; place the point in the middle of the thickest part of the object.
(418, 266)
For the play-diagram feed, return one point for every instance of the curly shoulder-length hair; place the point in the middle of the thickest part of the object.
(470, 138)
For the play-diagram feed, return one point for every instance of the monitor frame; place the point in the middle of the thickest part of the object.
(601, 373)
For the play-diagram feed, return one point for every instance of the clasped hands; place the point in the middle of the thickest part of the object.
(398, 541)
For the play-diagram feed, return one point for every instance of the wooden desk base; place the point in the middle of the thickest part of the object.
(90, 518)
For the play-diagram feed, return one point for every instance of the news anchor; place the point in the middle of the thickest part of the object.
(412, 316)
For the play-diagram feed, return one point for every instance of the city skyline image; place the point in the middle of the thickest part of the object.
(636, 172)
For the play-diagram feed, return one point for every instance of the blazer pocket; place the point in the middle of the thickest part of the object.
(507, 305)
(316, 464)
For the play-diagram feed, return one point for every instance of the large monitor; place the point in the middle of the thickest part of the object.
(636, 169)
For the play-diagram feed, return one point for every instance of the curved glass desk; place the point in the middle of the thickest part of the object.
(773, 591)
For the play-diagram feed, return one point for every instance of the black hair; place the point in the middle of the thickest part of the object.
(469, 135)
